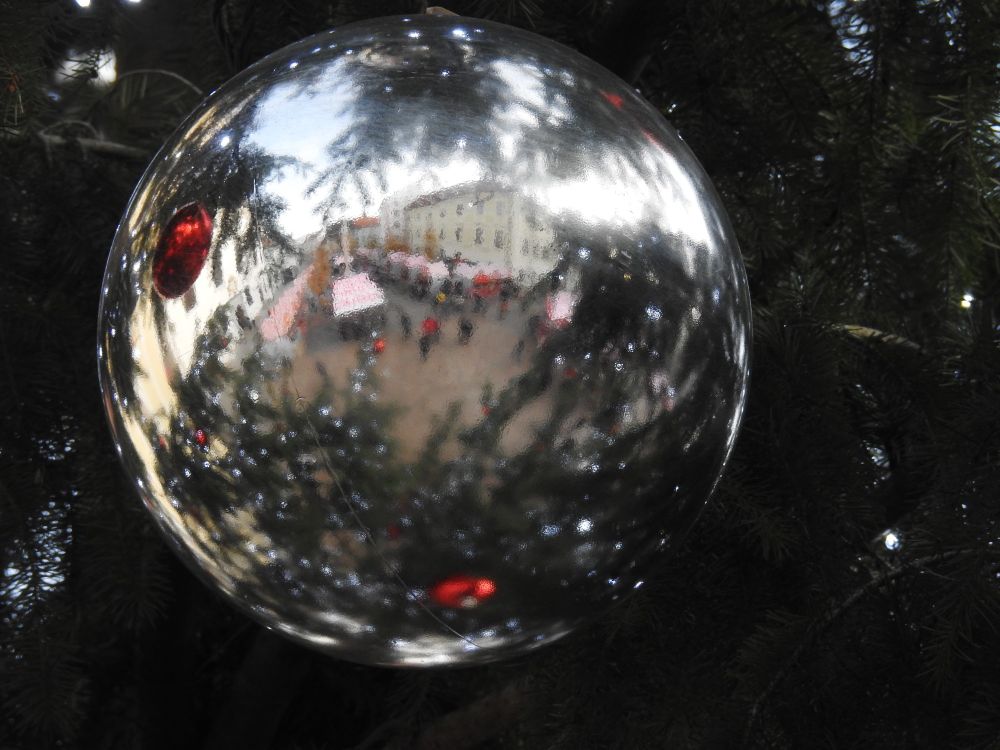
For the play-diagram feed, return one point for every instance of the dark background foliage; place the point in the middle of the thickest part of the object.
(842, 588)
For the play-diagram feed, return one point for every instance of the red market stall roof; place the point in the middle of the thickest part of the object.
(559, 307)
(280, 318)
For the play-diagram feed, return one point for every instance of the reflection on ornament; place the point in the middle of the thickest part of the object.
(493, 321)
(462, 591)
(182, 250)
(614, 100)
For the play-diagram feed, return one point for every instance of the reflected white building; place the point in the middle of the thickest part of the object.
(485, 224)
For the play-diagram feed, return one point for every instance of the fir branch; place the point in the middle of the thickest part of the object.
(265, 685)
(94, 145)
(631, 34)
(161, 72)
(479, 721)
(835, 611)
(379, 732)
(864, 333)
(65, 123)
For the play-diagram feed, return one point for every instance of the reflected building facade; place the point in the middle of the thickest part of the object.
(483, 224)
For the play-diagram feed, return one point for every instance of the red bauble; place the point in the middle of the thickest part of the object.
(379, 346)
(201, 438)
(182, 250)
(462, 591)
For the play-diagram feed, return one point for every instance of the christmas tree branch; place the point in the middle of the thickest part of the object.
(71, 123)
(95, 145)
(837, 610)
(261, 692)
(631, 35)
(864, 333)
(161, 72)
(479, 721)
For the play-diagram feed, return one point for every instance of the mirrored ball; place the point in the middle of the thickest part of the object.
(423, 340)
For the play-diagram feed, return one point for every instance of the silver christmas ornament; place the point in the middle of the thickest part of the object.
(423, 339)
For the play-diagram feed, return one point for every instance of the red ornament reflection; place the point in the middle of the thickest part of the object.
(613, 99)
(462, 591)
(182, 250)
(379, 346)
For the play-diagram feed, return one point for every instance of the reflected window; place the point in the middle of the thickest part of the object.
(458, 234)
(479, 233)
(498, 238)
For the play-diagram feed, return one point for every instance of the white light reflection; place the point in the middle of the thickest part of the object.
(78, 64)
(507, 145)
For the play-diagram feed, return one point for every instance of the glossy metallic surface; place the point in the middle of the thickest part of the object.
(467, 354)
